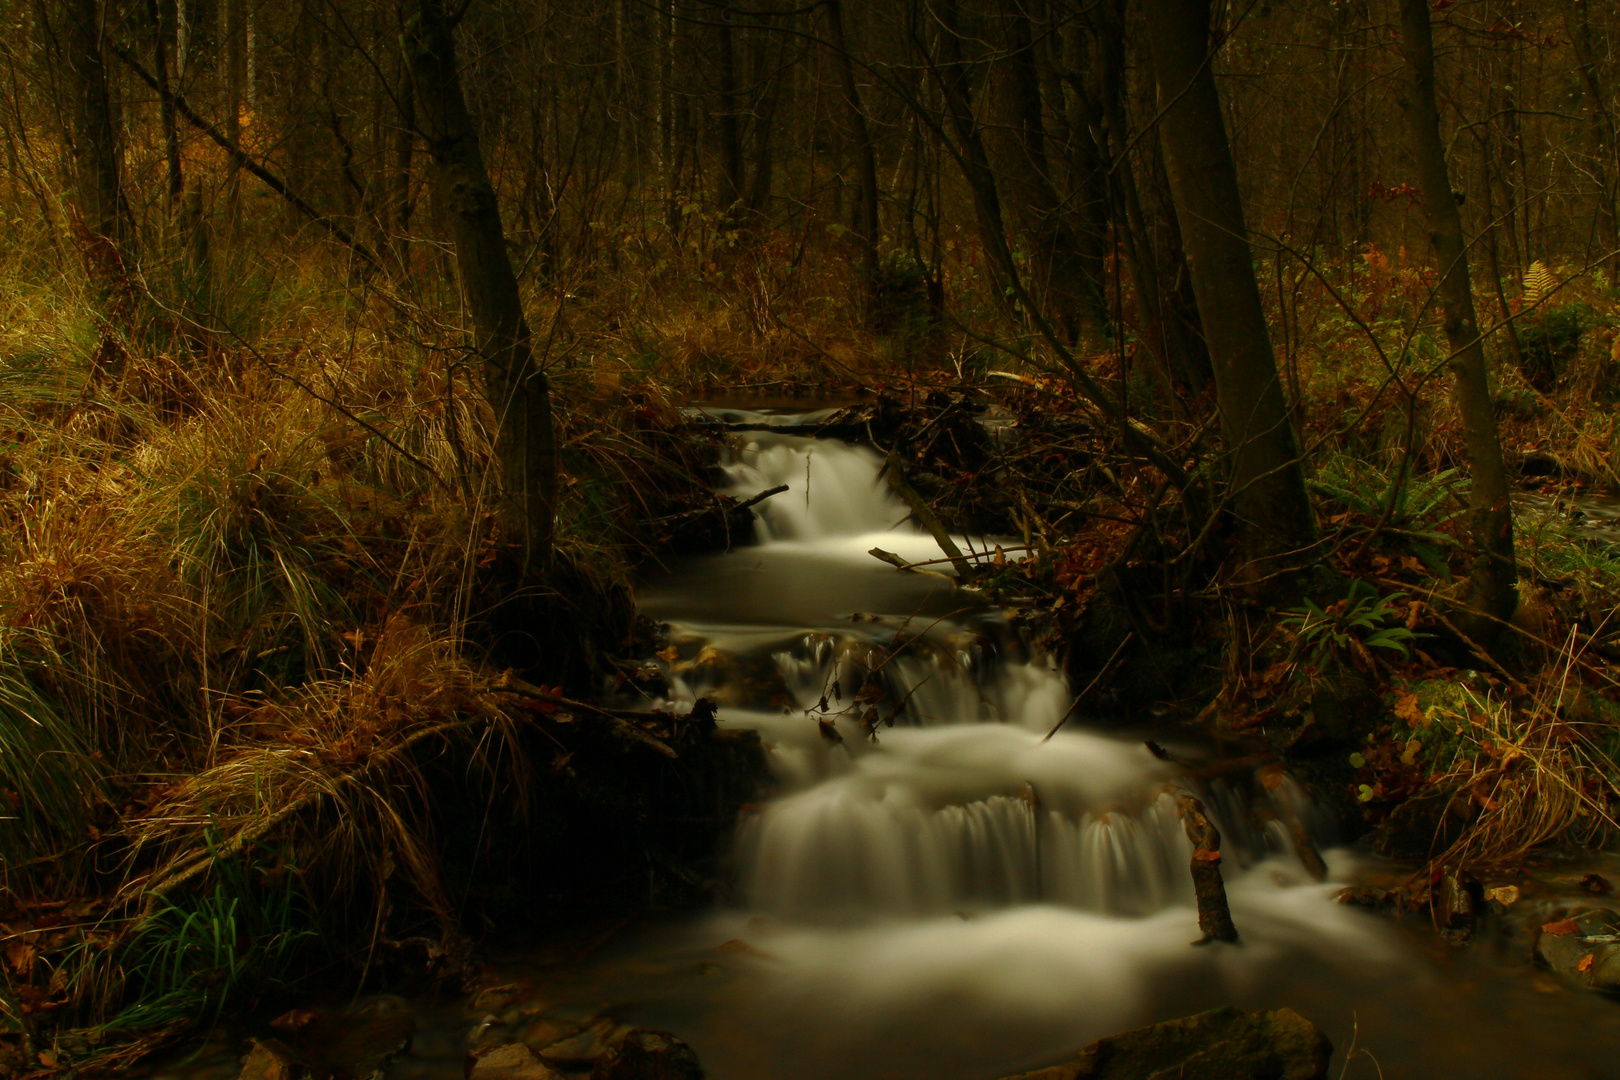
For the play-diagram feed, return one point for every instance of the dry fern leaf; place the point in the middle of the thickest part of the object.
(1539, 282)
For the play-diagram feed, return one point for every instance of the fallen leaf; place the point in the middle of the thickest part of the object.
(1507, 895)
(669, 655)
(20, 958)
(1585, 963)
(1206, 855)
(295, 1020)
(1561, 928)
(1406, 708)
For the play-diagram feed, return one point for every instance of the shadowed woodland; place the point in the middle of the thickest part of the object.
(347, 352)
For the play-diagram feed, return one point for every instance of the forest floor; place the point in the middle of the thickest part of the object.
(257, 616)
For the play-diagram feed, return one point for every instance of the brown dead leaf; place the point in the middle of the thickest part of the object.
(1585, 963)
(669, 655)
(1561, 928)
(1507, 895)
(20, 958)
(295, 1020)
(1406, 708)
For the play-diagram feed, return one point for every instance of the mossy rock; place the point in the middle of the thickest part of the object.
(1222, 1044)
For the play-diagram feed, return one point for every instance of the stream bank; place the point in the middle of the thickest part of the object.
(935, 890)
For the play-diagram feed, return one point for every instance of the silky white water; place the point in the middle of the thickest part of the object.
(931, 868)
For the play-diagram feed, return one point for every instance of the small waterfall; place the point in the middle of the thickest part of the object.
(832, 854)
(833, 489)
(911, 747)
(929, 852)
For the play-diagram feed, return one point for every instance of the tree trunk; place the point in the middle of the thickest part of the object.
(1492, 594)
(767, 76)
(865, 153)
(955, 77)
(731, 162)
(403, 152)
(97, 157)
(232, 29)
(1268, 484)
(164, 15)
(1577, 20)
(1171, 328)
(1066, 265)
(517, 388)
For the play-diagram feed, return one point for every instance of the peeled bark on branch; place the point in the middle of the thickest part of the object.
(517, 387)
(1492, 579)
(1214, 914)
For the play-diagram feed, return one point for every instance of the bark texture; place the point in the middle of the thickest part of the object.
(861, 135)
(97, 156)
(1214, 913)
(1268, 484)
(517, 388)
(1492, 580)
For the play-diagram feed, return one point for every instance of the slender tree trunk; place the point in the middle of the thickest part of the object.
(1577, 20)
(731, 161)
(767, 76)
(1067, 264)
(955, 74)
(97, 157)
(517, 388)
(234, 31)
(1171, 324)
(164, 15)
(1268, 484)
(404, 152)
(1492, 592)
(865, 152)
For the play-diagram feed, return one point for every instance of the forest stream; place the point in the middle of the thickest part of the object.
(937, 890)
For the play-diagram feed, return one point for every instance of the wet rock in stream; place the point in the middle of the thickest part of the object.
(272, 1059)
(646, 1054)
(584, 1047)
(1583, 949)
(1222, 1044)
(508, 1061)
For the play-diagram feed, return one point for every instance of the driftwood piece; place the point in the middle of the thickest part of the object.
(900, 564)
(1214, 914)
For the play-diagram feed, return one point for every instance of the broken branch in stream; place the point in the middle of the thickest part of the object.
(1214, 913)
(1081, 696)
(900, 564)
(617, 720)
(925, 516)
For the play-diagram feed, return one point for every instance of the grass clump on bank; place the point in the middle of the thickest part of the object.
(254, 606)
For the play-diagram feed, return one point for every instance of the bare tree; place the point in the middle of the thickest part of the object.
(1492, 592)
(1268, 484)
(517, 387)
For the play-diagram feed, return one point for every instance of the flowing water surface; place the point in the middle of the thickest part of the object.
(961, 897)
(937, 891)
